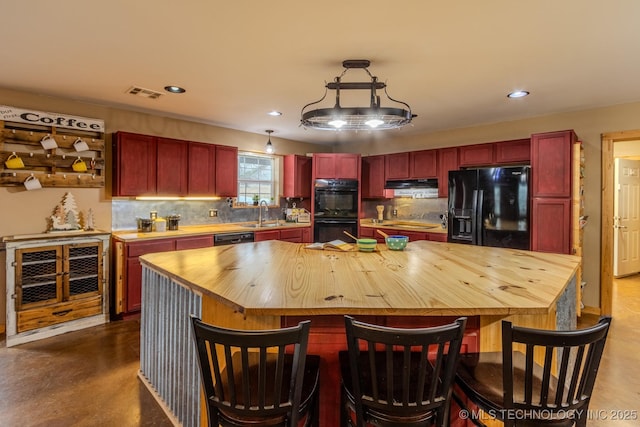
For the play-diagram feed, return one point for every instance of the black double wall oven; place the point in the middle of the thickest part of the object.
(335, 209)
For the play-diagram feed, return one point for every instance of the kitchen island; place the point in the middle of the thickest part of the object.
(271, 284)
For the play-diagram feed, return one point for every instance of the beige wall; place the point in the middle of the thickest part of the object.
(26, 212)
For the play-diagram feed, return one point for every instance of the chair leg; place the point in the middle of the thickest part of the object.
(463, 406)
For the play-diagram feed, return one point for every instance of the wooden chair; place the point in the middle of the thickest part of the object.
(512, 388)
(258, 378)
(398, 377)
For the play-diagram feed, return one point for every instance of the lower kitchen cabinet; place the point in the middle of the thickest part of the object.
(294, 235)
(551, 225)
(128, 270)
(370, 232)
(55, 285)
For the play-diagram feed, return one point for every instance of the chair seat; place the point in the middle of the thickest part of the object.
(479, 375)
(309, 388)
(410, 416)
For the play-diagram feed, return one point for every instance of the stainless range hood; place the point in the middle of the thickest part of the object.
(410, 184)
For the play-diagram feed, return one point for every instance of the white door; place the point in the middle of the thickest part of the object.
(626, 236)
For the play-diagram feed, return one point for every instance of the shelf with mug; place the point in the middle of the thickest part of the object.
(56, 157)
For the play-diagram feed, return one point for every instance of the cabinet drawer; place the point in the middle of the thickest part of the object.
(137, 249)
(291, 234)
(194, 242)
(36, 318)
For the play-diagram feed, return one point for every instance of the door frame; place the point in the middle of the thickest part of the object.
(606, 224)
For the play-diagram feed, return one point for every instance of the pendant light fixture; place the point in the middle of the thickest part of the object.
(269, 147)
(371, 117)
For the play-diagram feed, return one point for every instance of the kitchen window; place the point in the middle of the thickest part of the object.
(257, 175)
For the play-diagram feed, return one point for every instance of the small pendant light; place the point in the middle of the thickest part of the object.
(269, 147)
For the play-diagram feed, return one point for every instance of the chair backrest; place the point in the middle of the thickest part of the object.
(402, 373)
(251, 375)
(560, 388)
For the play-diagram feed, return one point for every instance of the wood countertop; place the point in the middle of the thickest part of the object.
(427, 278)
(195, 230)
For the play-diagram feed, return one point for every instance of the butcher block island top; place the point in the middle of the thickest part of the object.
(427, 278)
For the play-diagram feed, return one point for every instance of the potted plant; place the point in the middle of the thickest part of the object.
(256, 199)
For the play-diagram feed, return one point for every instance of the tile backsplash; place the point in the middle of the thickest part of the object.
(428, 210)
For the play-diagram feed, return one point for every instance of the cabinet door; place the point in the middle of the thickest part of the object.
(297, 176)
(226, 171)
(195, 242)
(134, 166)
(306, 235)
(424, 164)
(551, 225)
(260, 236)
(373, 178)
(347, 166)
(324, 165)
(551, 164)
(437, 237)
(291, 235)
(84, 267)
(396, 166)
(516, 151)
(171, 167)
(475, 155)
(133, 281)
(38, 276)
(202, 169)
(447, 161)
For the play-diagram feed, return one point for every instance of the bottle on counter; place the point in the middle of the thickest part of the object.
(160, 224)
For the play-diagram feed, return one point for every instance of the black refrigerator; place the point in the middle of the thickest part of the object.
(490, 207)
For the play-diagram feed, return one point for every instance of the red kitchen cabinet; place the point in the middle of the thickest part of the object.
(516, 151)
(436, 237)
(226, 171)
(132, 291)
(396, 166)
(134, 164)
(551, 225)
(336, 165)
(424, 164)
(202, 169)
(551, 164)
(291, 235)
(195, 242)
(447, 161)
(306, 235)
(373, 178)
(261, 236)
(475, 155)
(297, 176)
(172, 165)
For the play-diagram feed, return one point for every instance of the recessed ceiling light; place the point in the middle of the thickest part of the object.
(518, 94)
(274, 113)
(174, 89)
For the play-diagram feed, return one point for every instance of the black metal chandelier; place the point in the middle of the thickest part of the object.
(356, 118)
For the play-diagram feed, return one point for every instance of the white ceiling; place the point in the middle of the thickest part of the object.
(453, 62)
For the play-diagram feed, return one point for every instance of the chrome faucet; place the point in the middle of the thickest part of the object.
(266, 210)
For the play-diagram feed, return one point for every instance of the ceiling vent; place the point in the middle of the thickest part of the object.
(145, 93)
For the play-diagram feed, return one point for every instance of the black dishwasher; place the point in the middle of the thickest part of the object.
(223, 239)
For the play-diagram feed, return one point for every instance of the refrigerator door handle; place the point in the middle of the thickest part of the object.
(477, 220)
(474, 218)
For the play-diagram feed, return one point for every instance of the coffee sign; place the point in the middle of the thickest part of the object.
(12, 114)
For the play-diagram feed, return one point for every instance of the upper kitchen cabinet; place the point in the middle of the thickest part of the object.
(202, 169)
(134, 165)
(551, 163)
(373, 178)
(423, 164)
(297, 176)
(226, 171)
(411, 165)
(515, 151)
(475, 155)
(396, 166)
(336, 165)
(172, 165)
(447, 161)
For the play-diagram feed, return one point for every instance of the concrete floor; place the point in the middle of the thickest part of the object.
(83, 378)
(88, 378)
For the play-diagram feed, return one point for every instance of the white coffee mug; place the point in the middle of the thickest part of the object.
(80, 145)
(32, 183)
(48, 143)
